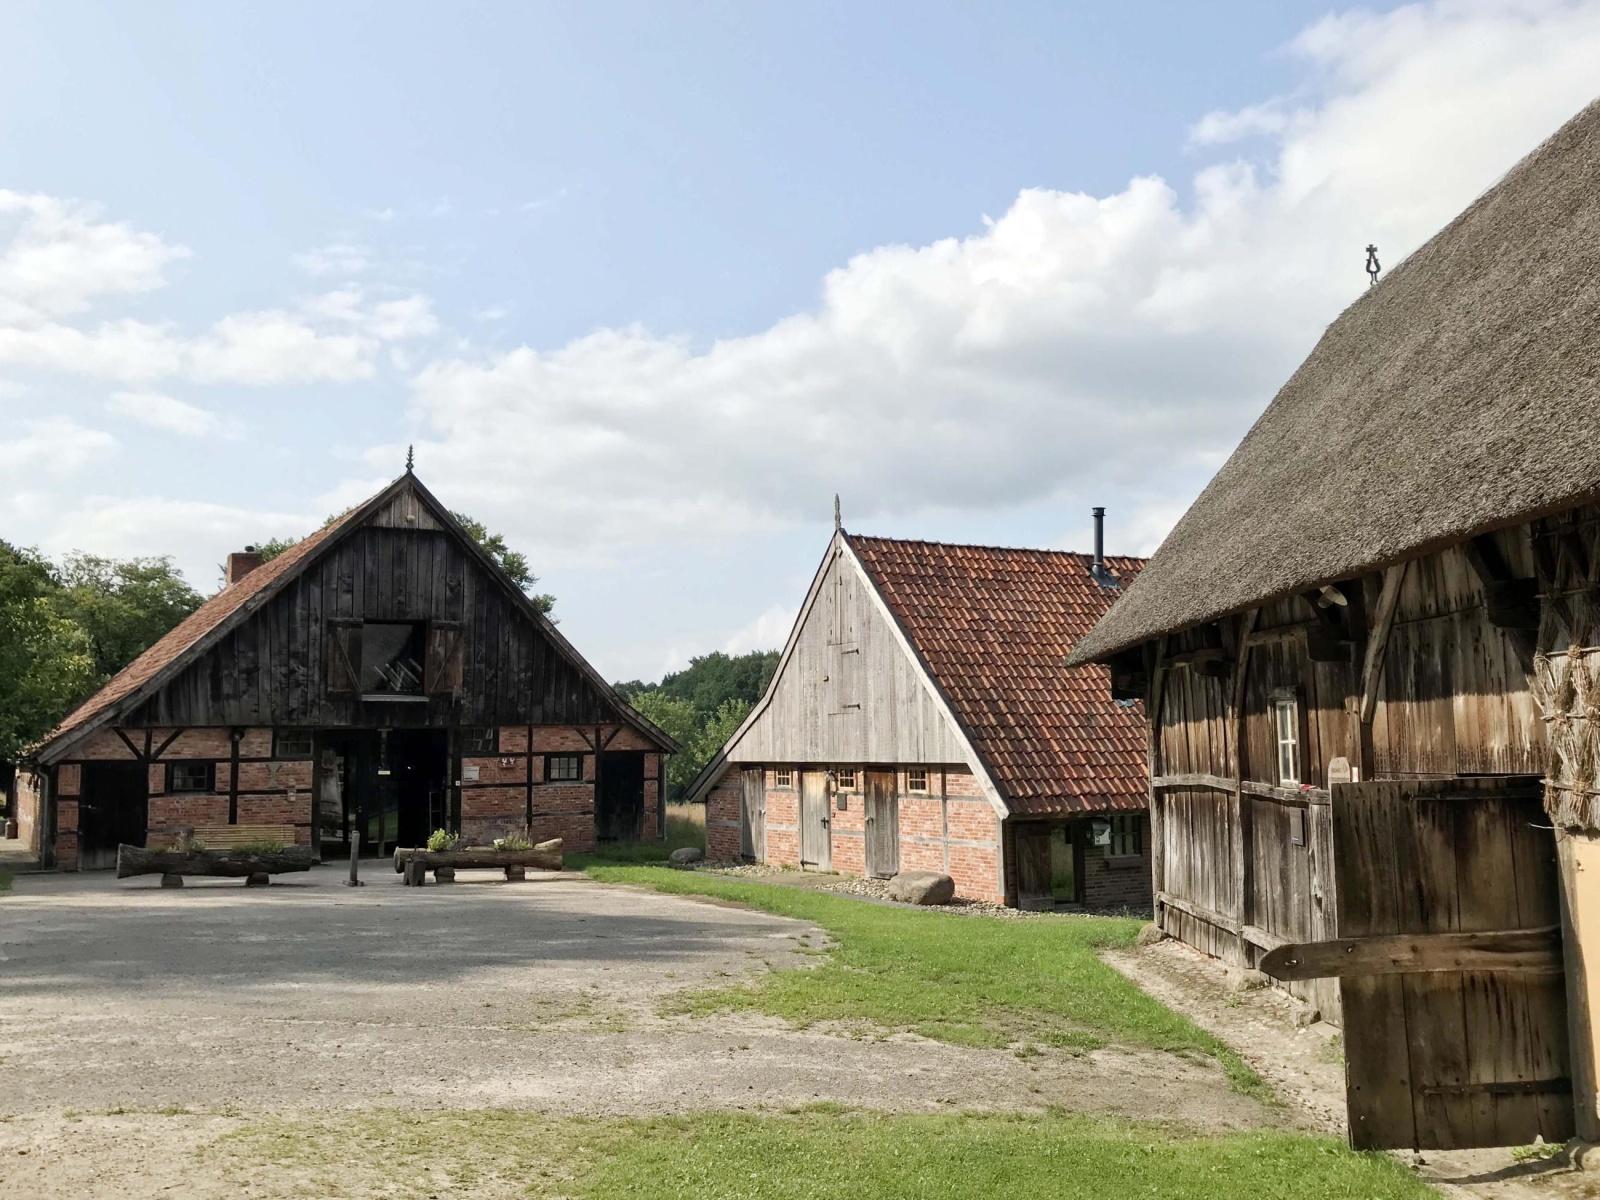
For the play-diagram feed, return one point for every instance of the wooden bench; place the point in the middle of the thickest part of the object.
(413, 865)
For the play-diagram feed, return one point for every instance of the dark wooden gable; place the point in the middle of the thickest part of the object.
(489, 661)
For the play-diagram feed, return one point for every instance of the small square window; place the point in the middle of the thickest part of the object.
(480, 741)
(563, 768)
(291, 743)
(917, 779)
(785, 777)
(846, 780)
(189, 776)
(1125, 836)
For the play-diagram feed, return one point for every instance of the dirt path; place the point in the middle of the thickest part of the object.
(1305, 1066)
(119, 1002)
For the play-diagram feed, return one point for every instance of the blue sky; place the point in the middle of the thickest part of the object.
(647, 284)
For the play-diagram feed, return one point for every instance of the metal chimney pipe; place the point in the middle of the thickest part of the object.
(1099, 540)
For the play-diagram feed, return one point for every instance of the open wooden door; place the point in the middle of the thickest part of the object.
(1448, 953)
(753, 814)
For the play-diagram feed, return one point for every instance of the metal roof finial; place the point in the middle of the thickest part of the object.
(1373, 266)
(410, 458)
(838, 522)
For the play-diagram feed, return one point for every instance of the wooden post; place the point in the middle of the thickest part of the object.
(1158, 857)
(1244, 861)
(355, 852)
(1579, 857)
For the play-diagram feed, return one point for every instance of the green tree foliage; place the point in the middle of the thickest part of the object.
(47, 660)
(701, 706)
(512, 562)
(125, 605)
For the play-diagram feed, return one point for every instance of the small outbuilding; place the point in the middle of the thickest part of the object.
(921, 718)
(1369, 657)
(382, 677)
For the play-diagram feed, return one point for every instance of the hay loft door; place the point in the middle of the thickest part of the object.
(1448, 951)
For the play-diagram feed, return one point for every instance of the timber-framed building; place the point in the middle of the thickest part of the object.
(383, 677)
(920, 719)
(1368, 655)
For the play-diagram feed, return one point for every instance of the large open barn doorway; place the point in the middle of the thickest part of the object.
(113, 809)
(391, 784)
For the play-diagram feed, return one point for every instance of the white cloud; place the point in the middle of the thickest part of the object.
(175, 416)
(1065, 348)
(57, 257)
(768, 631)
(55, 446)
(337, 258)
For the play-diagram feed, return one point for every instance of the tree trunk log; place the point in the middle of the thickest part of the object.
(480, 856)
(136, 860)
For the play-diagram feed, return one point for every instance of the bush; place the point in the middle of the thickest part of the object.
(443, 839)
(264, 846)
(513, 841)
(187, 843)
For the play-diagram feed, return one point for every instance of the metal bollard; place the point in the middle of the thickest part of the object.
(355, 852)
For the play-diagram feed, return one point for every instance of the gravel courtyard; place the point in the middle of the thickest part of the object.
(120, 1000)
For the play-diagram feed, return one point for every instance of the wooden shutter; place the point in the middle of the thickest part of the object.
(441, 669)
(344, 658)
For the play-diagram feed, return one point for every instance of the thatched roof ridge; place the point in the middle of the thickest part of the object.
(1461, 394)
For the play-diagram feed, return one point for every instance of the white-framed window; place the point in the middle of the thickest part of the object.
(917, 779)
(846, 778)
(785, 777)
(1125, 831)
(1286, 730)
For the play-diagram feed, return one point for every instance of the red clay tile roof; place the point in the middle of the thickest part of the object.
(193, 629)
(994, 628)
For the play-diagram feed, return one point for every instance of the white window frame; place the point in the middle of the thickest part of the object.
(912, 774)
(845, 779)
(783, 777)
(1286, 736)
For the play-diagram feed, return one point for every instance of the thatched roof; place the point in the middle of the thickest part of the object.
(1459, 395)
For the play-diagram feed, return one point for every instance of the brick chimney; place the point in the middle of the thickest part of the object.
(240, 564)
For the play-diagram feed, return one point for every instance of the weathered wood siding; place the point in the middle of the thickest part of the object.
(271, 670)
(848, 692)
(1453, 698)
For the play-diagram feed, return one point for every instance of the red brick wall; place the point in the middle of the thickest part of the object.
(722, 817)
(969, 852)
(1123, 882)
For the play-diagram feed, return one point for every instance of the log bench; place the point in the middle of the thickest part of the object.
(414, 864)
(254, 866)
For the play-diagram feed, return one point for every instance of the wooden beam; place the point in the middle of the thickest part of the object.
(1257, 936)
(1378, 640)
(1158, 858)
(1522, 950)
(1200, 912)
(1193, 780)
(1243, 807)
(1271, 791)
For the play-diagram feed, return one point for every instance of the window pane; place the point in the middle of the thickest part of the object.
(479, 741)
(917, 781)
(291, 743)
(391, 658)
(191, 777)
(563, 768)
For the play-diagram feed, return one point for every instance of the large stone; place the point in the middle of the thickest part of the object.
(684, 855)
(554, 844)
(171, 880)
(922, 887)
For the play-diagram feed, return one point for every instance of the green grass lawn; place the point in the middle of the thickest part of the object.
(962, 979)
(824, 1154)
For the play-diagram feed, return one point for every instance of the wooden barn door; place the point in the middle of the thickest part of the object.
(753, 814)
(113, 809)
(815, 848)
(1448, 950)
(883, 825)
